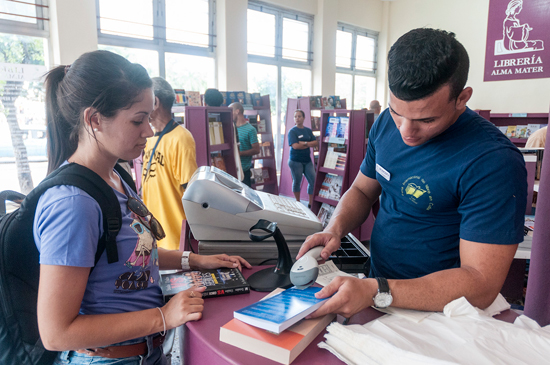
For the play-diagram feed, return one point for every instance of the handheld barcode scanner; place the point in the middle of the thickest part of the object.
(304, 272)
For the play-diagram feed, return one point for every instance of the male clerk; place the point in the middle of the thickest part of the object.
(452, 191)
(248, 141)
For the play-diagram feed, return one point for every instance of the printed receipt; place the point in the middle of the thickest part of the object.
(327, 272)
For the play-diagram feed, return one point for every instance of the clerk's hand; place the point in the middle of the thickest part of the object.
(351, 295)
(184, 307)
(217, 261)
(327, 239)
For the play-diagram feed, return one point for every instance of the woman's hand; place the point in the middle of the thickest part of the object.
(197, 262)
(184, 307)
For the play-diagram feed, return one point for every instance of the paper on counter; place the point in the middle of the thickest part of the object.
(327, 272)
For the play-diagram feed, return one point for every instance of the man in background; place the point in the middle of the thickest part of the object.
(537, 139)
(375, 107)
(169, 161)
(248, 141)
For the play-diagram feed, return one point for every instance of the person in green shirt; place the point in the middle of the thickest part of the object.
(248, 141)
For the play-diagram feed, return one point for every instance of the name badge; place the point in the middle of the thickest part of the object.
(301, 136)
(382, 171)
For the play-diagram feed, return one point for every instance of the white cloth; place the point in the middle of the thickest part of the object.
(462, 334)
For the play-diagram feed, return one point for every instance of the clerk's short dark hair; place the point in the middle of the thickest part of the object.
(423, 60)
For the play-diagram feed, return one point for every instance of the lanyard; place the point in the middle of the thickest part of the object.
(171, 125)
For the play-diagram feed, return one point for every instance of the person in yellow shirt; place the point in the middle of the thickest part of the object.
(169, 161)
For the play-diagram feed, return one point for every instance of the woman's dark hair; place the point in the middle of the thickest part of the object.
(300, 111)
(102, 80)
(213, 97)
(423, 60)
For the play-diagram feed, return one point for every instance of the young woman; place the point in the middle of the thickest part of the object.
(300, 139)
(98, 112)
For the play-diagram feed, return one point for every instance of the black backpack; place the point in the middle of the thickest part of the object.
(20, 342)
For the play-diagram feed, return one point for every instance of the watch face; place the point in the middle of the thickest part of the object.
(382, 300)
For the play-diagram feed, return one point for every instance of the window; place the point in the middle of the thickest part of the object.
(279, 59)
(170, 38)
(22, 116)
(356, 65)
(28, 17)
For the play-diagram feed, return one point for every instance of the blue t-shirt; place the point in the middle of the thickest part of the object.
(67, 226)
(296, 135)
(469, 182)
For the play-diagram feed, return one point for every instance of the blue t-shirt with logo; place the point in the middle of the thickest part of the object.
(469, 182)
(67, 226)
(296, 135)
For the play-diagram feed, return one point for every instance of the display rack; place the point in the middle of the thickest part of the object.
(517, 119)
(311, 112)
(196, 120)
(360, 122)
(266, 159)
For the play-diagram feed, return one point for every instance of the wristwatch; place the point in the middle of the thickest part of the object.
(383, 298)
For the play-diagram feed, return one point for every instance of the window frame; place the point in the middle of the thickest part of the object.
(352, 70)
(41, 29)
(159, 43)
(278, 60)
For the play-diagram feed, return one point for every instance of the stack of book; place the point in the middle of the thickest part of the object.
(181, 98)
(335, 160)
(274, 327)
(520, 131)
(331, 187)
(337, 129)
(193, 98)
(325, 212)
(215, 129)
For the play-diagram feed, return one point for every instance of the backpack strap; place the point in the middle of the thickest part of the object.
(90, 182)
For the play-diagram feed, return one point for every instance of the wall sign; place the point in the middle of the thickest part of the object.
(518, 40)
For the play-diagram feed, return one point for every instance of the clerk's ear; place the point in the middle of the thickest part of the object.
(157, 103)
(463, 97)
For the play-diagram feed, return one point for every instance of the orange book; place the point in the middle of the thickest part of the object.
(282, 348)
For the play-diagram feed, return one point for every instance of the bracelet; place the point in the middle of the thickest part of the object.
(185, 260)
(163, 322)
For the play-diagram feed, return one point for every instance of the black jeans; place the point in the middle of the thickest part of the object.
(247, 178)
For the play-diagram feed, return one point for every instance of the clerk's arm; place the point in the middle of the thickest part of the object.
(479, 278)
(352, 210)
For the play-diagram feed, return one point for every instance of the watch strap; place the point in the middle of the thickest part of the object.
(185, 260)
(383, 286)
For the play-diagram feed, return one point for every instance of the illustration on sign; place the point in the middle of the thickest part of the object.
(515, 34)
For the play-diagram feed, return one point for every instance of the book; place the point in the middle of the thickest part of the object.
(262, 127)
(282, 348)
(336, 101)
(325, 212)
(248, 100)
(340, 161)
(240, 95)
(315, 123)
(331, 128)
(503, 129)
(531, 128)
(282, 310)
(224, 95)
(330, 158)
(218, 282)
(256, 99)
(511, 131)
(257, 176)
(218, 161)
(193, 98)
(312, 102)
(181, 98)
(521, 130)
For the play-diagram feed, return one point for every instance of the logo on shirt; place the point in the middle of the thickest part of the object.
(417, 191)
(143, 256)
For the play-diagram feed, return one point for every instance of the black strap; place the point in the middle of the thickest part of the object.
(90, 182)
(128, 179)
(383, 286)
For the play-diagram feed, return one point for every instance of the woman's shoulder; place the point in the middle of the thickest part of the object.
(66, 195)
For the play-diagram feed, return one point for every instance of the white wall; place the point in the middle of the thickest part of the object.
(468, 20)
(73, 30)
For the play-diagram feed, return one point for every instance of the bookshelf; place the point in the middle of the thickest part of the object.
(260, 118)
(196, 120)
(312, 114)
(514, 119)
(354, 148)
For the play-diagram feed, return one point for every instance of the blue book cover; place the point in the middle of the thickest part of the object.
(281, 311)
